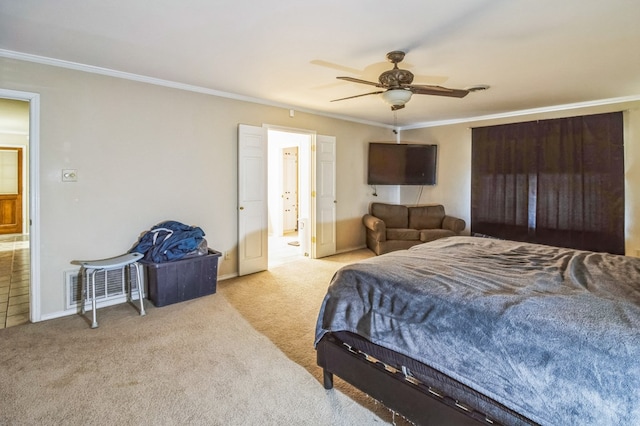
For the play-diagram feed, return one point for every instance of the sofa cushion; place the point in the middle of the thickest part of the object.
(394, 216)
(427, 235)
(426, 217)
(403, 234)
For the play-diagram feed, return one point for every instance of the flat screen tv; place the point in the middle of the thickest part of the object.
(402, 164)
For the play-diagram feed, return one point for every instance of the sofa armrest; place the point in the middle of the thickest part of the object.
(453, 224)
(376, 227)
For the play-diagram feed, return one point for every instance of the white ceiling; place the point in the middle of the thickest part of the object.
(534, 54)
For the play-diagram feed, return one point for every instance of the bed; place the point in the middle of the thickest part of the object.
(469, 330)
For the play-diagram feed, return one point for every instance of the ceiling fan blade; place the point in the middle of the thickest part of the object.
(437, 91)
(357, 80)
(397, 84)
(357, 96)
(336, 66)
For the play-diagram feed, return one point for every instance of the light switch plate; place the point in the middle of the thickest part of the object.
(69, 175)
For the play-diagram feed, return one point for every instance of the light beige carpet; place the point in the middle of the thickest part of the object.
(243, 356)
(283, 305)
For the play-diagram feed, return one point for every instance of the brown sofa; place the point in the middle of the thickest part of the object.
(395, 227)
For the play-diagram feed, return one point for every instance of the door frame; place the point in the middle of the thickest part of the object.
(34, 196)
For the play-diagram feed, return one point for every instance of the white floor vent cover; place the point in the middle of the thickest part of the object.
(113, 292)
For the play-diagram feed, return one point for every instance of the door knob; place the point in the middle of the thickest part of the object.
(241, 208)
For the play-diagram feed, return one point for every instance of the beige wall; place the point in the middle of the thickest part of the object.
(145, 154)
(454, 164)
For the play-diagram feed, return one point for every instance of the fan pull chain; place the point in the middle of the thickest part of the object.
(395, 126)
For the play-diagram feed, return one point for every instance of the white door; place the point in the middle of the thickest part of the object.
(290, 189)
(324, 239)
(252, 200)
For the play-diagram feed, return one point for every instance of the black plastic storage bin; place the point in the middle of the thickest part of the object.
(172, 282)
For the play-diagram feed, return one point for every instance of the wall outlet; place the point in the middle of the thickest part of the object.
(227, 255)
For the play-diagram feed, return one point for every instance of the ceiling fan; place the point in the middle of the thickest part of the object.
(397, 85)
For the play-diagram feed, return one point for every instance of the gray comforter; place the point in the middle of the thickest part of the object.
(551, 333)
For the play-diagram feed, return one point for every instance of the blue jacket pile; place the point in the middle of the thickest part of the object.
(169, 241)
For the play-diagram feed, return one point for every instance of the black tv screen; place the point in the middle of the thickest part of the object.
(402, 164)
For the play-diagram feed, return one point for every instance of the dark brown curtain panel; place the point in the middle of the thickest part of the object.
(557, 182)
(503, 166)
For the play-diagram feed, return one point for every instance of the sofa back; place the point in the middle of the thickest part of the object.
(426, 217)
(399, 216)
(393, 215)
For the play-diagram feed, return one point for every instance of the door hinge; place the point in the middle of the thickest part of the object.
(313, 193)
(313, 240)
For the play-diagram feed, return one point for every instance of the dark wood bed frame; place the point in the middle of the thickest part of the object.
(417, 402)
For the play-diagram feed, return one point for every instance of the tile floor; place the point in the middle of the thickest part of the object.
(280, 251)
(14, 280)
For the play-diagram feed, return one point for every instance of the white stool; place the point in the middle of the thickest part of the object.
(92, 267)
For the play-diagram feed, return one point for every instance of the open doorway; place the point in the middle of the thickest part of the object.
(317, 195)
(289, 195)
(15, 254)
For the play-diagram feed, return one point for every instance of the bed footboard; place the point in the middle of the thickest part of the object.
(392, 390)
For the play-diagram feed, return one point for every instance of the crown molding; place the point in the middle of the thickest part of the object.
(554, 108)
(10, 54)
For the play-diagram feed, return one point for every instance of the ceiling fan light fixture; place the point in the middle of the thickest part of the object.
(396, 97)
(397, 85)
